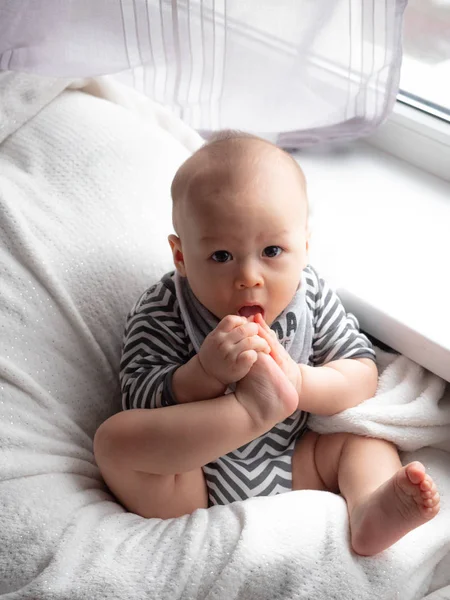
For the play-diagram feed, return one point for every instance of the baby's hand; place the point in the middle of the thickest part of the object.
(280, 355)
(230, 350)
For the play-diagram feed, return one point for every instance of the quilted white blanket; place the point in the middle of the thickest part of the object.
(84, 215)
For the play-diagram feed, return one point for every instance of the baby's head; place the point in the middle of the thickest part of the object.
(240, 212)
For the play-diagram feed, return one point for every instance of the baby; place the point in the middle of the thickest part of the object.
(235, 348)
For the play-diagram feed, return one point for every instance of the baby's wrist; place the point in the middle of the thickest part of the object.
(210, 379)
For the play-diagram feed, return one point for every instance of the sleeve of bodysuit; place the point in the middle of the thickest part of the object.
(155, 345)
(336, 332)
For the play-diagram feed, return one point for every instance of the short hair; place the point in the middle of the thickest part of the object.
(230, 135)
(219, 138)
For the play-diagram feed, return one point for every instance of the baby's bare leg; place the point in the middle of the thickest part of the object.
(152, 459)
(385, 500)
(158, 496)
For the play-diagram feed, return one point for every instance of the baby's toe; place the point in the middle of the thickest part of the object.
(431, 511)
(427, 485)
(431, 492)
(430, 502)
(416, 473)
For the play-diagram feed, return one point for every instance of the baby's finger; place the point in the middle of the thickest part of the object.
(247, 359)
(255, 342)
(241, 332)
(229, 322)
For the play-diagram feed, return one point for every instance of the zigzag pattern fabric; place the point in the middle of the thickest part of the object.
(156, 343)
(166, 328)
(260, 468)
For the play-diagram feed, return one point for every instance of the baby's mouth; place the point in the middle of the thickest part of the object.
(249, 311)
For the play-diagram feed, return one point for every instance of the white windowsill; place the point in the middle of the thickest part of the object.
(381, 237)
(417, 137)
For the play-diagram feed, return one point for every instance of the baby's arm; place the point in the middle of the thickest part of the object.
(344, 372)
(337, 385)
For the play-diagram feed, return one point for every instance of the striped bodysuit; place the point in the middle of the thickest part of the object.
(167, 326)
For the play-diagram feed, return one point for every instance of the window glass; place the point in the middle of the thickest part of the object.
(425, 78)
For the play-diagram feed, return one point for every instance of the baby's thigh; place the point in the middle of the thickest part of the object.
(159, 496)
(305, 475)
(321, 455)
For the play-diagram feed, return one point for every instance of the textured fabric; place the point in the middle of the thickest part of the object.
(390, 415)
(313, 328)
(295, 71)
(83, 201)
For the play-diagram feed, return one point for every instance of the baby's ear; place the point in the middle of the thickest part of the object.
(177, 252)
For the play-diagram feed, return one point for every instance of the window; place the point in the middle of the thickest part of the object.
(425, 79)
(418, 129)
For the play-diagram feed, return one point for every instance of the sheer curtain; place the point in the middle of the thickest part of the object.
(295, 71)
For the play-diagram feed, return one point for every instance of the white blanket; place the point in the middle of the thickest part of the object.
(84, 215)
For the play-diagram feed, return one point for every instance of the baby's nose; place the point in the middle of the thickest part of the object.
(249, 276)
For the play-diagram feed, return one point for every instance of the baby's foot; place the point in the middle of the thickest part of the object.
(266, 393)
(409, 499)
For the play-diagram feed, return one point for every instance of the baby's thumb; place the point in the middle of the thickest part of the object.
(247, 359)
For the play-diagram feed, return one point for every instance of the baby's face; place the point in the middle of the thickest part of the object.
(244, 239)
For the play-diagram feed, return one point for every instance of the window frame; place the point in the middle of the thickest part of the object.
(416, 137)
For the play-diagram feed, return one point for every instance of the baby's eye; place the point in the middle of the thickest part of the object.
(272, 251)
(221, 256)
